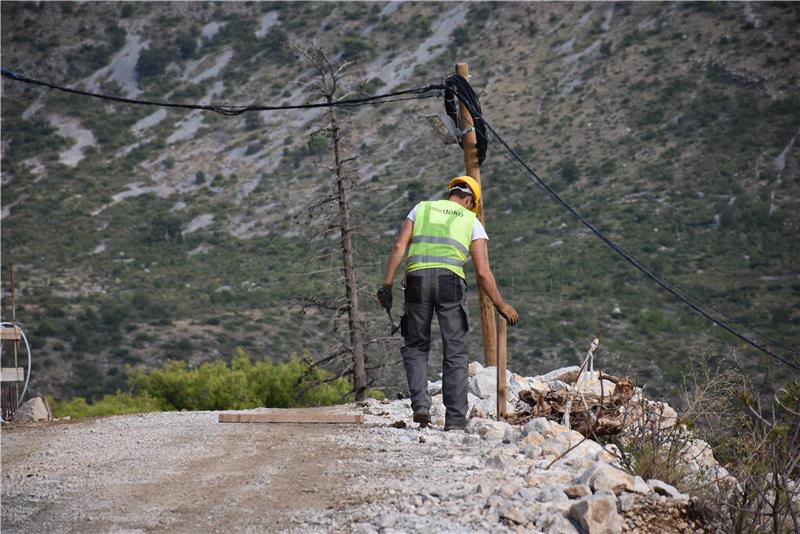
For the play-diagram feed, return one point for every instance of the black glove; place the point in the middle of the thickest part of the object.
(385, 296)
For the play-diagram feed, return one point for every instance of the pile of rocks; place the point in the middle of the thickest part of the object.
(536, 477)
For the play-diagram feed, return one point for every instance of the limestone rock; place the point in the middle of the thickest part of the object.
(473, 369)
(555, 522)
(539, 426)
(560, 443)
(487, 407)
(512, 435)
(590, 382)
(662, 488)
(477, 412)
(540, 388)
(582, 452)
(640, 486)
(551, 493)
(437, 409)
(601, 476)
(434, 388)
(558, 373)
(511, 513)
(515, 384)
(364, 528)
(597, 514)
(498, 461)
(484, 383)
(626, 502)
(471, 401)
(487, 429)
(33, 410)
(577, 491)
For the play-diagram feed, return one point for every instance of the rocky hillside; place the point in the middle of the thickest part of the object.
(143, 233)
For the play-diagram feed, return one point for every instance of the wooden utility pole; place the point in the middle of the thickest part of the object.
(470, 143)
(501, 367)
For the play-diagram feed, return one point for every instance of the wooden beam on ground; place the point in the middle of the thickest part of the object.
(290, 417)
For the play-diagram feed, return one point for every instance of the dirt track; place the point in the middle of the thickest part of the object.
(186, 472)
(170, 472)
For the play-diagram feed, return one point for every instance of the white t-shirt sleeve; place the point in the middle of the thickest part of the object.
(478, 231)
(413, 213)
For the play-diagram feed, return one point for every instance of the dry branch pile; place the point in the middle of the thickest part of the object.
(588, 412)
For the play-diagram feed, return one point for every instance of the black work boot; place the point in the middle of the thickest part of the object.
(422, 416)
(449, 425)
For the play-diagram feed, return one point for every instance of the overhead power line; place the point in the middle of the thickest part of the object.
(651, 274)
(466, 98)
(417, 93)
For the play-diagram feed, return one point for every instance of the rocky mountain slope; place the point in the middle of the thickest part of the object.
(142, 233)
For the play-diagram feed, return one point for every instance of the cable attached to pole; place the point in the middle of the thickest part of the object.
(419, 93)
(654, 276)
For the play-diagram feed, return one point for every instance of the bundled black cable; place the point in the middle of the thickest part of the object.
(456, 85)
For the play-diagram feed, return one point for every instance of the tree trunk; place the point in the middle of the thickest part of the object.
(353, 319)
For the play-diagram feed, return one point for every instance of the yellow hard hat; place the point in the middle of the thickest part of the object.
(473, 185)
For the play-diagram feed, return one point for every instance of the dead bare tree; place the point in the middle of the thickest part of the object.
(328, 87)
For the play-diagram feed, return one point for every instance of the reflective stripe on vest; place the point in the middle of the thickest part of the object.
(441, 241)
(441, 237)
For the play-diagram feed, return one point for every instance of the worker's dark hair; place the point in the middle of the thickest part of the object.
(461, 194)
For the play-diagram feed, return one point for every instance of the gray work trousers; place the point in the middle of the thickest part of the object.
(443, 292)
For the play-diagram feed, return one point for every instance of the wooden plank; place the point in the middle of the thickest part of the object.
(12, 374)
(10, 333)
(290, 417)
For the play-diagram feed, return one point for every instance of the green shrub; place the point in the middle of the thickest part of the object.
(568, 170)
(114, 404)
(186, 44)
(243, 384)
(153, 62)
(355, 48)
(217, 386)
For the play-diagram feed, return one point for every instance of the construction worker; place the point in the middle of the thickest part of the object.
(441, 233)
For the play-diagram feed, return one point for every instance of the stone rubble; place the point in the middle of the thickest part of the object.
(499, 477)
(33, 410)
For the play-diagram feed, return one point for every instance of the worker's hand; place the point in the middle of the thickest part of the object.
(385, 296)
(509, 313)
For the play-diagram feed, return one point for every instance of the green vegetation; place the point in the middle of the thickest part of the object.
(355, 49)
(111, 404)
(217, 386)
(153, 61)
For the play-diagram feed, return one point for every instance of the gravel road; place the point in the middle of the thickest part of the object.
(185, 472)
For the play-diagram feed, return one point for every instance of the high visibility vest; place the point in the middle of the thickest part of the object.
(441, 238)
